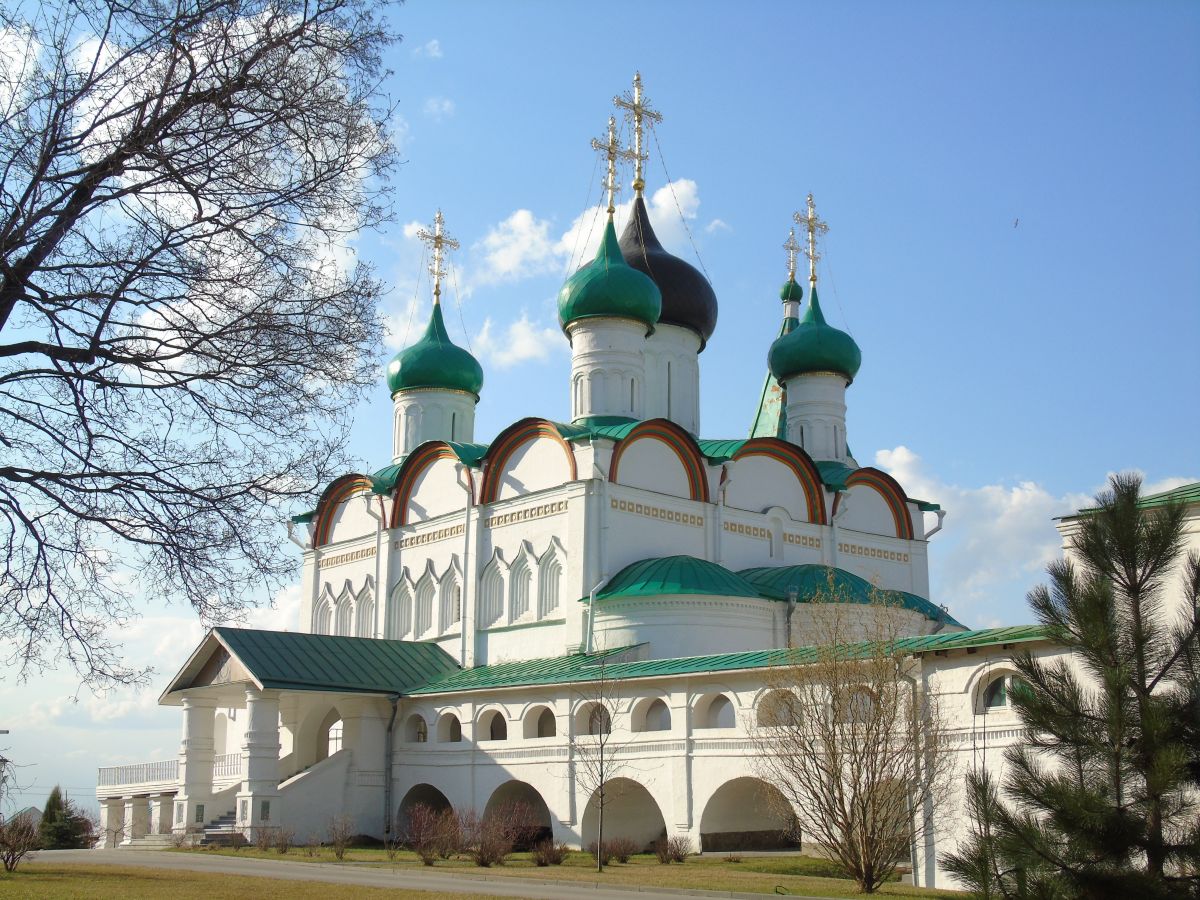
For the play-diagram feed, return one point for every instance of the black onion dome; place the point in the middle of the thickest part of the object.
(687, 297)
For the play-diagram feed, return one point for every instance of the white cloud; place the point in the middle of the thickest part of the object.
(518, 247)
(996, 544)
(665, 206)
(717, 225)
(518, 342)
(431, 49)
(439, 108)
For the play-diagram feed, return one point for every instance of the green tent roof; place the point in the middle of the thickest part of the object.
(674, 575)
(1185, 493)
(582, 668)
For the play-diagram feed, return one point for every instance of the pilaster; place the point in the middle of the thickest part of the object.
(195, 762)
(258, 799)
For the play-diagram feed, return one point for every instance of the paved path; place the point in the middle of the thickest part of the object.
(498, 885)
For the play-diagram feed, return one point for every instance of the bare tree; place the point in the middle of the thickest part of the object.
(852, 739)
(183, 329)
(596, 754)
(18, 838)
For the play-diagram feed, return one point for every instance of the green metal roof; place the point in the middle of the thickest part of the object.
(287, 660)
(926, 505)
(305, 517)
(383, 481)
(675, 575)
(834, 473)
(814, 346)
(717, 451)
(609, 287)
(770, 420)
(837, 585)
(435, 361)
(581, 668)
(1185, 493)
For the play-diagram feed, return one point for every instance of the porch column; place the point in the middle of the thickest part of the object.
(137, 819)
(195, 763)
(161, 806)
(258, 799)
(112, 822)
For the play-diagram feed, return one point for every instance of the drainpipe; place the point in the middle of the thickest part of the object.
(388, 743)
(912, 812)
(841, 501)
(792, 597)
(722, 486)
(469, 488)
(380, 594)
(941, 514)
(591, 623)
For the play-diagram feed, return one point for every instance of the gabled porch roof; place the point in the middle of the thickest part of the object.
(291, 661)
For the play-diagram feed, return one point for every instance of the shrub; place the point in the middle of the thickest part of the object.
(733, 857)
(662, 852)
(392, 845)
(450, 840)
(602, 853)
(341, 830)
(264, 838)
(621, 848)
(679, 848)
(423, 833)
(310, 849)
(489, 840)
(18, 836)
(550, 853)
(283, 839)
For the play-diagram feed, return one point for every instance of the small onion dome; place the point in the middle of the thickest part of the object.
(608, 287)
(813, 346)
(791, 292)
(435, 362)
(687, 297)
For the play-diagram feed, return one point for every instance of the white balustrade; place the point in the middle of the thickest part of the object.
(161, 772)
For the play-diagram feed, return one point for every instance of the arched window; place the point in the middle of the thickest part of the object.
(859, 707)
(399, 612)
(599, 721)
(335, 738)
(719, 714)
(449, 729)
(549, 584)
(415, 729)
(365, 614)
(778, 709)
(451, 601)
(546, 726)
(424, 612)
(491, 596)
(997, 694)
(657, 717)
(494, 727)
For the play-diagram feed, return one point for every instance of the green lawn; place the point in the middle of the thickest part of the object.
(91, 882)
(755, 874)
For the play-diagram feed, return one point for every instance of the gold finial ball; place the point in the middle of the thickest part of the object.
(639, 184)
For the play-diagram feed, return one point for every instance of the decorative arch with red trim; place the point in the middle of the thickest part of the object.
(508, 442)
(893, 495)
(414, 467)
(339, 491)
(800, 464)
(677, 439)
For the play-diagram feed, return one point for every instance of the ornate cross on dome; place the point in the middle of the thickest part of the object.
(438, 241)
(814, 226)
(637, 108)
(612, 151)
(793, 249)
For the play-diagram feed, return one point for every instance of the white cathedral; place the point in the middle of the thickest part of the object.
(458, 603)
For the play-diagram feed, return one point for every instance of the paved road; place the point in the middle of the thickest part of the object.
(498, 885)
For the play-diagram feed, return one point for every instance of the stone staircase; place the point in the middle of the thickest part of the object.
(221, 831)
(149, 842)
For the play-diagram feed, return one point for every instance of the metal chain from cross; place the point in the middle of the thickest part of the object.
(813, 226)
(637, 110)
(612, 150)
(438, 241)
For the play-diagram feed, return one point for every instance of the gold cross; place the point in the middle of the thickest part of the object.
(637, 108)
(793, 249)
(612, 151)
(437, 241)
(814, 226)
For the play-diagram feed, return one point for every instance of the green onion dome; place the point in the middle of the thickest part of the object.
(813, 346)
(609, 287)
(435, 362)
(791, 291)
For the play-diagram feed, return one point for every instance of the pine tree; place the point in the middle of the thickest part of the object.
(63, 826)
(1102, 799)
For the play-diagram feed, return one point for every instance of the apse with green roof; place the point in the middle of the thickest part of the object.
(813, 363)
(606, 309)
(434, 383)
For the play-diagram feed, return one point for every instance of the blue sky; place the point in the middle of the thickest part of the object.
(1011, 190)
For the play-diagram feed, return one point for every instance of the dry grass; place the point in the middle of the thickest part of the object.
(90, 882)
(756, 874)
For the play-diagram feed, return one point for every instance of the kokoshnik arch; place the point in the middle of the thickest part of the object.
(460, 602)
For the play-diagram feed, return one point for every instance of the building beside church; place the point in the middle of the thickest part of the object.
(460, 603)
